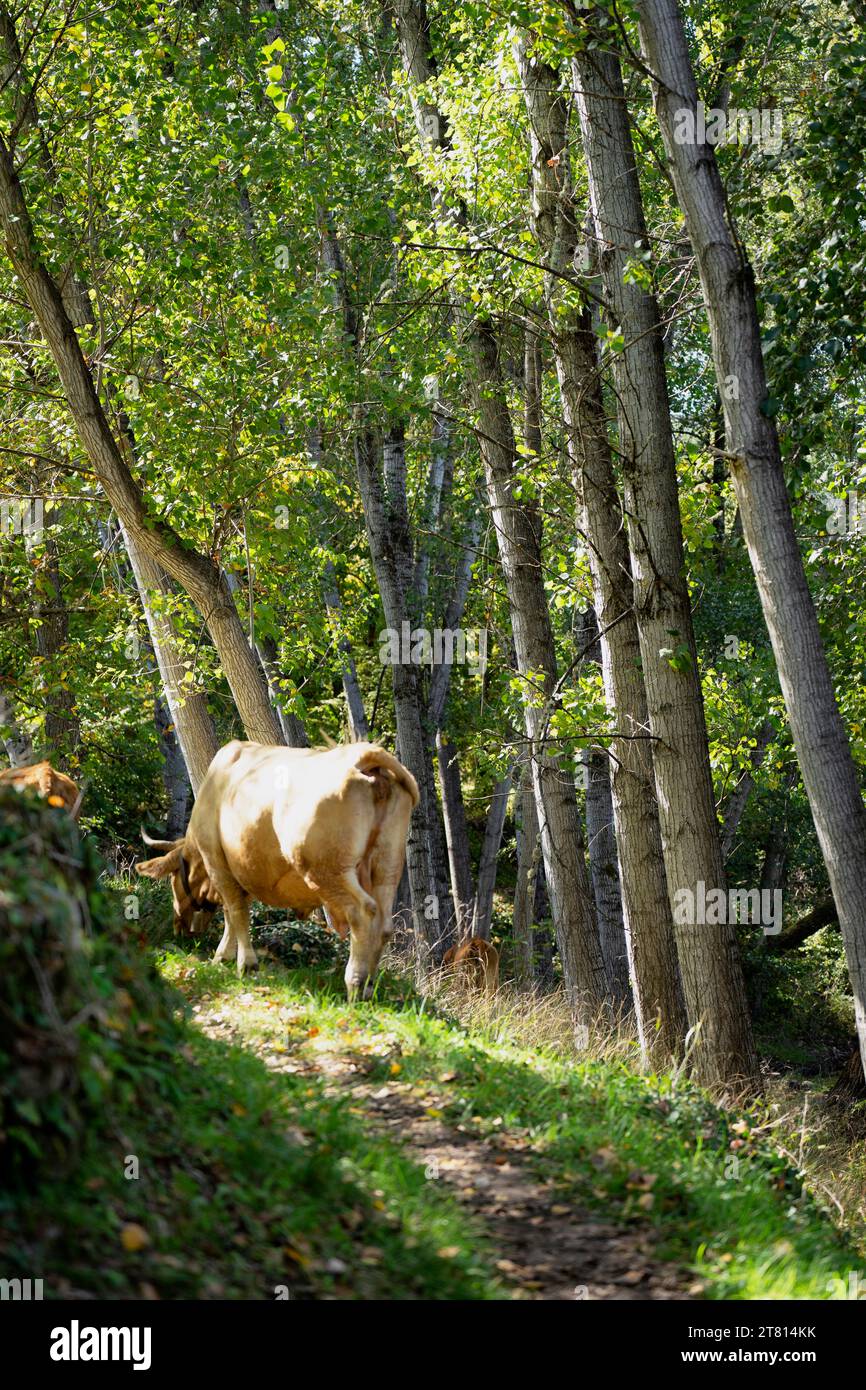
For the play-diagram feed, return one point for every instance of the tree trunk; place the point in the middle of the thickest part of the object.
(647, 914)
(830, 776)
(16, 739)
(519, 538)
(174, 774)
(62, 725)
(455, 833)
(358, 725)
(518, 532)
(743, 790)
(291, 727)
(487, 864)
(428, 897)
(850, 1085)
(528, 856)
(188, 709)
(604, 872)
(708, 953)
(64, 312)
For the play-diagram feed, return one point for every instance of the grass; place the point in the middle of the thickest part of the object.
(254, 1178)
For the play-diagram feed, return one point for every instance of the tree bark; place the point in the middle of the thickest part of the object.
(708, 954)
(829, 774)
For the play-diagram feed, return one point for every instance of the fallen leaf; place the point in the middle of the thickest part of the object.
(133, 1237)
(603, 1157)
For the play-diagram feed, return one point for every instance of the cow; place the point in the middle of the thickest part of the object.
(474, 963)
(300, 829)
(54, 786)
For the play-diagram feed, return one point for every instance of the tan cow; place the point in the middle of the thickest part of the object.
(295, 828)
(475, 963)
(56, 787)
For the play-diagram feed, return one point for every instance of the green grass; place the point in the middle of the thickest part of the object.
(251, 1179)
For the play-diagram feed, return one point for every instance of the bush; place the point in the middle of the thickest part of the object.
(295, 943)
(84, 1019)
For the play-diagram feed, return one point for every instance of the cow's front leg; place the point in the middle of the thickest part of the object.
(228, 948)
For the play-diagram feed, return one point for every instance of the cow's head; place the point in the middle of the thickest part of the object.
(192, 895)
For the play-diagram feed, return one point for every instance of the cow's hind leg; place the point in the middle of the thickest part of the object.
(348, 901)
(227, 950)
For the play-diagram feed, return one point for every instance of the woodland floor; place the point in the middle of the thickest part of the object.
(302, 1148)
(543, 1249)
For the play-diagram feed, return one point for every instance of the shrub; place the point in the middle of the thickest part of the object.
(84, 1019)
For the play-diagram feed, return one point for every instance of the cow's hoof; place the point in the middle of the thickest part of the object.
(247, 967)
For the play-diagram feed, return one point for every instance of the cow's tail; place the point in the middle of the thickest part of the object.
(374, 757)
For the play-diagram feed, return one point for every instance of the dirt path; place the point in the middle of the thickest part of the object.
(547, 1250)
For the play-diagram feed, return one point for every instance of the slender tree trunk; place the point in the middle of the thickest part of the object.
(528, 856)
(440, 444)
(708, 953)
(518, 532)
(519, 539)
(292, 729)
(62, 726)
(602, 849)
(456, 833)
(487, 864)
(646, 910)
(743, 790)
(189, 713)
(830, 776)
(174, 774)
(187, 723)
(428, 896)
(604, 872)
(358, 725)
(16, 739)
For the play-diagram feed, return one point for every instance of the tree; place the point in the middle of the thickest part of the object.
(727, 281)
(648, 919)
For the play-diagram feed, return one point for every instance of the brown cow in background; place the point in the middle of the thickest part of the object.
(475, 963)
(56, 787)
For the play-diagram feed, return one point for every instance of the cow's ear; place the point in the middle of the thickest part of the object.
(163, 866)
